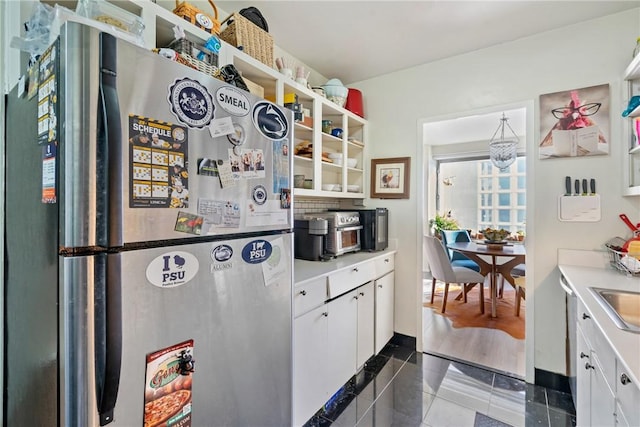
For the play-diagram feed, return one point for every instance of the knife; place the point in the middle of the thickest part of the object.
(567, 186)
(576, 186)
(593, 186)
(584, 187)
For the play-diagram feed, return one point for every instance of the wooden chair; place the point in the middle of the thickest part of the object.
(441, 269)
(520, 291)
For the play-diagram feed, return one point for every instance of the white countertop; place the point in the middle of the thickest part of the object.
(625, 344)
(309, 270)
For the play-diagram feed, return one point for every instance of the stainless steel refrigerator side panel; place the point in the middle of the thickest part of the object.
(77, 390)
(144, 81)
(77, 157)
(30, 292)
(240, 324)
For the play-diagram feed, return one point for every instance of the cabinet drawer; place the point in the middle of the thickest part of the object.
(309, 295)
(384, 265)
(628, 394)
(605, 355)
(350, 278)
(585, 322)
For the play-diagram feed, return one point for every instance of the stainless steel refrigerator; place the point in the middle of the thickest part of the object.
(148, 244)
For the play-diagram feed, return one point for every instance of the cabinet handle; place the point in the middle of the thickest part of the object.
(355, 297)
(386, 260)
(380, 286)
(303, 292)
(624, 379)
(325, 314)
(582, 355)
(589, 366)
(585, 316)
(361, 294)
(356, 269)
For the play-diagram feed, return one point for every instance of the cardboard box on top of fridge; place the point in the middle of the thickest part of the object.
(254, 88)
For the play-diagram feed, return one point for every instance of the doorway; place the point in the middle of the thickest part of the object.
(456, 153)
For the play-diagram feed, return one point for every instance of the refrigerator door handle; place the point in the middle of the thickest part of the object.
(109, 148)
(108, 326)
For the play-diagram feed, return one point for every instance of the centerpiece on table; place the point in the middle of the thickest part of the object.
(495, 236)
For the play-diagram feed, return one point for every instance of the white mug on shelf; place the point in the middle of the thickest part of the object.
(288, 72)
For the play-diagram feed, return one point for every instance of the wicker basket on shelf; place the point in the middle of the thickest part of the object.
(249, 38)
(191, 62)
(197, 17)
(186, 47)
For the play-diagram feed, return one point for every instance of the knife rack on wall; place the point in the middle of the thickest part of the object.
(579, 208)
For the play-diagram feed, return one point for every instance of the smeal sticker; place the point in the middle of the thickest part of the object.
(270, 120)
(172, 269)
(233, 100)
(257, 251)
(191, 103)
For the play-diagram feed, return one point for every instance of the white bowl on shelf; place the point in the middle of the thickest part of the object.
(353, 188)
(334, 156)
(328, 187)
(337, 187)
(352, 162)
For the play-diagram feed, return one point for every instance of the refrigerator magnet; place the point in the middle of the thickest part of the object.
(269, 120)
(172, 269)
(256, 251)
(233, 100)
(191, 103)
(189, 223)
(168, 383)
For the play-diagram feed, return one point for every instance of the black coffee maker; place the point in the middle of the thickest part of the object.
(309, 235)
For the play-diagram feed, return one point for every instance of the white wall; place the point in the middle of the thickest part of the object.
(586, 54)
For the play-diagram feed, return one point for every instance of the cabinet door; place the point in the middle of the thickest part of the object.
(384, 288)
(603, 401)
(310, 364)
(628, 396)
(583, 381)
(343, 318)
(365, 323)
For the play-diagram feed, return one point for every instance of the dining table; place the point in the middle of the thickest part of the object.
(480, 252)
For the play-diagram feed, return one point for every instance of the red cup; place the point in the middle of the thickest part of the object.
(354, 102)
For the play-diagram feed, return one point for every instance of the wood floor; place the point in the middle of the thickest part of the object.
(490, 348)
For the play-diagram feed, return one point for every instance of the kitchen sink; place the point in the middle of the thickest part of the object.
(623, 307)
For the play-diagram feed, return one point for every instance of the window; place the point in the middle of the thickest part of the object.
(479, 195)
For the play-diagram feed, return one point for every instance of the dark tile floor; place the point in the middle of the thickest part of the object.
(400, 387)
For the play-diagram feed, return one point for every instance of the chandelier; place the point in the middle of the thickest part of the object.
(503, 152)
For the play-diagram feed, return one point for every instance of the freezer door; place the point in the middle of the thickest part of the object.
(233, 299)
(142, 142)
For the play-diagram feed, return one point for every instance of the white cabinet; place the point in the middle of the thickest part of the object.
(384, 304)
(311, 146)
(631, 170)
(385, 289)
(627, 398)
(343, 330)
(310, 364)
(605, 395)
(365, 335)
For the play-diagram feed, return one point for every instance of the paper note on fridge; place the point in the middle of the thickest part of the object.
(274, 269)
(269, 213)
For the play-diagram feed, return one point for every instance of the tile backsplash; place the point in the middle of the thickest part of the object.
(303, 205)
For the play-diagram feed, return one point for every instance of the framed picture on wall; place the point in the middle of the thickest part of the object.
(575, 123)
(390, 178)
